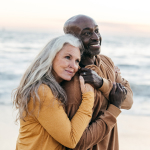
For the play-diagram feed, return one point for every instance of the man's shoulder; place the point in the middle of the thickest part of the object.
(106, 59)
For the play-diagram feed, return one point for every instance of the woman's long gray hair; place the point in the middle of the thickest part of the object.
(39, 72)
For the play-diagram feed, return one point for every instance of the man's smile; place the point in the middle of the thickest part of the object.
(95, 45)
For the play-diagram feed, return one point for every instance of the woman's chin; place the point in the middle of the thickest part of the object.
(67, 78)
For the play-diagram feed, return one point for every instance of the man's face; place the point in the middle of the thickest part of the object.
(87, 30)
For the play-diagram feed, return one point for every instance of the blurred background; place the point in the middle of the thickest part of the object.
(27, 25)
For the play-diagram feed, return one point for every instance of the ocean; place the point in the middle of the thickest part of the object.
(130, 53)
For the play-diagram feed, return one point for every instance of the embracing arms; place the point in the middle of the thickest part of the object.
(55, 121)
(103, 124)
(92, 75)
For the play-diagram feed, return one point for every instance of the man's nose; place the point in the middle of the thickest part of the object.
(95, 37)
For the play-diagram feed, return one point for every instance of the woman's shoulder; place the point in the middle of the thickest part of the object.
(44, 91)
(44, 87)
(46, 96)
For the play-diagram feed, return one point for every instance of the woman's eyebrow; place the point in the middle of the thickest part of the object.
(71, 56)
(68, 54)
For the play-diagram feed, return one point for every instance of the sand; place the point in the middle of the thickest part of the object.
(8, 130)
(134, 131)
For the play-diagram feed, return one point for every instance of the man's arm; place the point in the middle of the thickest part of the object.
(104, 123)
(92, 76)
(127, 104)
(99, 129)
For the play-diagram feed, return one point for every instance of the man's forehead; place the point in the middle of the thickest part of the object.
(78, 23)
(83, 22)
(84, 25)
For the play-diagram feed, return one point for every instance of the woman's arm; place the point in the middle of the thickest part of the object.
(56, 122)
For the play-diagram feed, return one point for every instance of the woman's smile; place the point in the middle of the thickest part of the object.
(66, 63)
(70, 72)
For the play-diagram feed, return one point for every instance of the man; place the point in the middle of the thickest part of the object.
(98, 70)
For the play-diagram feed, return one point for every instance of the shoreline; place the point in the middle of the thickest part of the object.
(133, 130)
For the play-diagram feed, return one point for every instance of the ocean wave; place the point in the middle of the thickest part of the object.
(9, 76)
(128, 66)
(140, 90)
(131, 55)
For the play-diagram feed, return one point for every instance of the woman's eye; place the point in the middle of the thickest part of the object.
(77, 61)
(67, 57)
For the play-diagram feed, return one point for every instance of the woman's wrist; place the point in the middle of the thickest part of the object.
(88, 96)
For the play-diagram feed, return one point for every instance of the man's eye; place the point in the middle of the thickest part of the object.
(96, 31)
(87, 33)
(67, 57)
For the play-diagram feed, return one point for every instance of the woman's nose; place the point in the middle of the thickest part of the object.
(74, 65)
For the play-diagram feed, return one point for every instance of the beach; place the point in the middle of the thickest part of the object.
(130, 54)
(134, 131)
(8, 129)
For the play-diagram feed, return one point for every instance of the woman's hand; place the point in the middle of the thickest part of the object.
(85, 87)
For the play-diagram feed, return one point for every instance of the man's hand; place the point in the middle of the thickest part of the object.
(117, 70)
(117, 95)
(91, 77)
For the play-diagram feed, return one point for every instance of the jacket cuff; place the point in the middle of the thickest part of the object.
(115, 111)
(105, 87)
(118, 78)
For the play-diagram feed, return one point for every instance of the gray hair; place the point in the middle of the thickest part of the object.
(39, 72)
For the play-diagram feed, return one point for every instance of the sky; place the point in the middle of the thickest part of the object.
(51, 14)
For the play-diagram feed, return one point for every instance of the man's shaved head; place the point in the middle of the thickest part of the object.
(86, 29)
(73, 24)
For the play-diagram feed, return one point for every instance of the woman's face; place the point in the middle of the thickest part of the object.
(66, 63)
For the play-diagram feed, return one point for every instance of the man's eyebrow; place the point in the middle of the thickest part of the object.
(86, 28)
(90, 28)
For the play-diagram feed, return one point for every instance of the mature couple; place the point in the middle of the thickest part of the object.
(70, 96)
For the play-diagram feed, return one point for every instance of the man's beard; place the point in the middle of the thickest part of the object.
(89, 53)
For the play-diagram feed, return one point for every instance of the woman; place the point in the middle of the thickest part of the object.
(40, 99)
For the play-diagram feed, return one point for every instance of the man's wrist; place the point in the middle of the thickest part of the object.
(117, 106)
(114, 110)
(101, 83)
